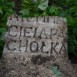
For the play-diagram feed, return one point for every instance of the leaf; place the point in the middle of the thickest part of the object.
(28, 1)
(1, 12)
(2, 33)
(43, 5)
(10, 4)
(56, 71)
(2, 36)
(3, 30)
(70, 20)
(58, 74)
(62, 14)
(27, 4)
(10, 11)
(53, 10)
(35, 0)
(25, 12)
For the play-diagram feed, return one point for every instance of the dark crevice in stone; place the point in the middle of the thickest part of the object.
(39, 59)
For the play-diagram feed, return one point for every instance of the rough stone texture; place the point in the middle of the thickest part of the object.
(35, 36)
(35, 45)
(18, 65)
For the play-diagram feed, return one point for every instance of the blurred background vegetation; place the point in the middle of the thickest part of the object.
(31, 8)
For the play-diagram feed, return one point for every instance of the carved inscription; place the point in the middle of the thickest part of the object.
(37, 37)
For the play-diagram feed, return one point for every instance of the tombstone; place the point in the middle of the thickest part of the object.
(36, 47)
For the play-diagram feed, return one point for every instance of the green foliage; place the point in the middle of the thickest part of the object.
(6, 9)
(72, 40)
(56, 71)
(53, 11)
(2, 38)
(33, 7)
(2, 33)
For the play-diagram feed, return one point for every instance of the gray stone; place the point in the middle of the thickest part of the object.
(35, 45)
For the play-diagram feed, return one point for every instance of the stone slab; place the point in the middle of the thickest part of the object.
(35, 47)
(46, 36)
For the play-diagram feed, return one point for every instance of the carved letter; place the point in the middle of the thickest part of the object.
(35, 47)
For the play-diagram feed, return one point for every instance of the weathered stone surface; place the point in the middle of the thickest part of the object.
(18, 65)
(35, 45)
(37, 36)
